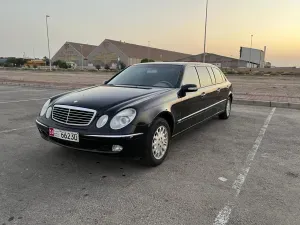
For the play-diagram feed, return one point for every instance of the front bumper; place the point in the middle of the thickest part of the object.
(95, 142)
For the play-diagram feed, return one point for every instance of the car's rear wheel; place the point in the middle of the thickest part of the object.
(157, 143)
(225, 115)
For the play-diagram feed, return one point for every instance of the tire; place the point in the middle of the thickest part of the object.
(159, 133)
(225, 115)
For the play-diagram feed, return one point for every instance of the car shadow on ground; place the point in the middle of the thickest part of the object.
(115, 160)
(59, 160)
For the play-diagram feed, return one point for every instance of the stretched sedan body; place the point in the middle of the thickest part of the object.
(139, 109)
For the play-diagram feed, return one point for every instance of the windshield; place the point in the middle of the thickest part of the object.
(152, 75)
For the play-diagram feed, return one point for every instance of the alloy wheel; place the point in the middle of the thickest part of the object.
(228, 107)
(160, 142)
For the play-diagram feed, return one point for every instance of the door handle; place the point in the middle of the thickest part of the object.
(218, 90)
(202, 94)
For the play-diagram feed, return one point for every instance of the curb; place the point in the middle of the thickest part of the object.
(267, 103)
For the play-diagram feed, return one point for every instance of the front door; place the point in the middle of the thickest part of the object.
(190, 104)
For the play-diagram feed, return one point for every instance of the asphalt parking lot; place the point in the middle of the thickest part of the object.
(245, 170)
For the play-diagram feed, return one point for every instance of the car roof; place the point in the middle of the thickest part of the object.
(178, 63)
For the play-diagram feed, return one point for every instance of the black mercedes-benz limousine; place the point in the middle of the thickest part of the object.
(141, 108)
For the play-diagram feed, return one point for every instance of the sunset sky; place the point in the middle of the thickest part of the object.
(169, 24)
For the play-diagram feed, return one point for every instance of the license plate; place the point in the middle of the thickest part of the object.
(64, 135)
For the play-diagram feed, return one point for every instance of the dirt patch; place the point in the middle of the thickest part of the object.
(291, 174)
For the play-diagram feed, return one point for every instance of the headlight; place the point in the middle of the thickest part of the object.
(45, 107)
(48, 113)
(101, 121)
(122, 119)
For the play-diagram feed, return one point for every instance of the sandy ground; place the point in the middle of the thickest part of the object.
(263, 88)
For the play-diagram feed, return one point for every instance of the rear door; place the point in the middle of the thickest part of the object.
(222, 88)
(208, 91)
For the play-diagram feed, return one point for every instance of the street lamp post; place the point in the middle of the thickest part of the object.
(148, 50)
(48, 41)
(81, 57)
(204, 52)
(250, 52)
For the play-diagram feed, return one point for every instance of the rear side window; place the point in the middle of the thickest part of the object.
(219, 77)
(223, 76)
(204, 77)
(212, 76)
(190, 76)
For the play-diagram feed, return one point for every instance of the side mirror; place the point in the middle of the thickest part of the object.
(105, 82)
(189, 88)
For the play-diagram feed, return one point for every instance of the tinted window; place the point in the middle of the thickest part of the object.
(212, 76)
(204, 76)
(218, 76)
(223, 76)
(153, 75)
(190, 76)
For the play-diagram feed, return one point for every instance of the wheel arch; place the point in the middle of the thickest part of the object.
(168, 117)
(230, 95)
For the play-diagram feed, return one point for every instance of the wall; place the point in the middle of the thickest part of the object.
(132, 61)
(257, 56)
(106, 53)
(68, 53)
(221, 61)
(274, 70)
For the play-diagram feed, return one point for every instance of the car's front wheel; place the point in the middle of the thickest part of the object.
(157, 143)
(225, 115)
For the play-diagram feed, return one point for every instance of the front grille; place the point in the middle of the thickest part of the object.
(71, 115)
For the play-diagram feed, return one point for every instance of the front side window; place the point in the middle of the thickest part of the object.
(150, 75)
(190, 76)
(218, 76)
(204, 76)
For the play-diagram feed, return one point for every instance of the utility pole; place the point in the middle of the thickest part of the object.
(250, 52)
(204, 52)
(48, 41)
(148, 50)
(81, 57)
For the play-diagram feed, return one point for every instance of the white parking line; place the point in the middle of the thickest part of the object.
(25, 100)
(16, 129)
(223, 216)
(222, 179)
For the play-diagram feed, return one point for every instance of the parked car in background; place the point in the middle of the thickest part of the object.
(141, 109)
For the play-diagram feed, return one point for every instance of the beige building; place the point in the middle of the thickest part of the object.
(74, 52)
(109, 51)
(219, 61)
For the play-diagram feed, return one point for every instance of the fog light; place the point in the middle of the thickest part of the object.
(117, 148)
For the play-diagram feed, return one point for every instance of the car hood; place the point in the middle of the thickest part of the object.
(104, 97)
